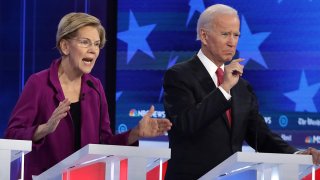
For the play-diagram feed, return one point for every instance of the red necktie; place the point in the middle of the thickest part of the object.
(219, 74)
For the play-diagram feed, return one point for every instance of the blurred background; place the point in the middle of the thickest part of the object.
(279, 42)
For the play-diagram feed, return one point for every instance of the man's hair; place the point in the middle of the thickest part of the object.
(207, 16)
(72, 22)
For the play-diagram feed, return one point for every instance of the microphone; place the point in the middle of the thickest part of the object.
(90, 84)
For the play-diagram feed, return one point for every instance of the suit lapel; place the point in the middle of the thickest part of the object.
(201, 73)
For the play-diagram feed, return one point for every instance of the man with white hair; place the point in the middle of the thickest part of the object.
(213, 110)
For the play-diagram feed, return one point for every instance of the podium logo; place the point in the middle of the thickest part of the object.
(312, 139)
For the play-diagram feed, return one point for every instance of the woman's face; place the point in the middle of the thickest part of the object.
(84, 49)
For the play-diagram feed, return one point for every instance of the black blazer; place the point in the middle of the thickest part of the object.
(200, 137)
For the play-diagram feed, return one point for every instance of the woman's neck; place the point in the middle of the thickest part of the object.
(67, 74)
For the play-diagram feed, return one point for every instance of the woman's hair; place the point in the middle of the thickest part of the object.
(206, 18)
(70, 23)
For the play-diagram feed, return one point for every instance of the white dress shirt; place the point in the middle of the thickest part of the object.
(212, 68)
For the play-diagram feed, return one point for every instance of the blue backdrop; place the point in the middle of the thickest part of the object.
(279, 42)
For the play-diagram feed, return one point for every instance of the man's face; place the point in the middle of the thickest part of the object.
(220, 39)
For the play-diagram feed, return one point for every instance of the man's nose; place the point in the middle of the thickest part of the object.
(232, 41)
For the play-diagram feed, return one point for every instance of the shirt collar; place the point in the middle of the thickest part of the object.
(209, 65)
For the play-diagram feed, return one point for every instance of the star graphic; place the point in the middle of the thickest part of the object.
(172, 61)
(279, 1)
(118, 95)
(249, 43)
(195, 5)
(136, 38)
(303, 97)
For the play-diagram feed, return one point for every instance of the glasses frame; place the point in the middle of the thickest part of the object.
(87, 43)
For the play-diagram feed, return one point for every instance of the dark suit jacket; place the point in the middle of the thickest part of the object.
(200, 138)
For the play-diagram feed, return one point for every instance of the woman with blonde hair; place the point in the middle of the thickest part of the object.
(64, 107)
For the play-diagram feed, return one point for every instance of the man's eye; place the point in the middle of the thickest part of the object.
(225, 34)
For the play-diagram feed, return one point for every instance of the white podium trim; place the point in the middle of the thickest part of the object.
(98, 151)
(11, 150)
(248, 160)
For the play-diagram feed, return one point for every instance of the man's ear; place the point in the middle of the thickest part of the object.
(64, 46)
(203, 36)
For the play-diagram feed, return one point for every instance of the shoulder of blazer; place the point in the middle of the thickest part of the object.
(193, 66)
(190, 72)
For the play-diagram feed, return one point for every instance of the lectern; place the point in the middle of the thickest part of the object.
(138, 160)
(266, 166)
(11, 150)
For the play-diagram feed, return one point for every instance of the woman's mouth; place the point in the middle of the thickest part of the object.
(87, 61)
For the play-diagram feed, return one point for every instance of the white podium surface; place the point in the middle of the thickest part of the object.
(137, 160)
(268, 166)
(11, 150)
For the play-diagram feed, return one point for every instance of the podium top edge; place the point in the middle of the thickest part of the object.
(253, 160)
(130, 151)
(13, 144)
(273, 158)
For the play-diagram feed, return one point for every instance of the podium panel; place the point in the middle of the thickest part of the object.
(11, 150)
(118, 162)
(97, 171)
(266, 166)
(94, 171)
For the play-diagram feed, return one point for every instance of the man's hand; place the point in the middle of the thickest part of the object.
(232, 73)
(315, 154)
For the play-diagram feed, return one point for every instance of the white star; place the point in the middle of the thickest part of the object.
(118, 95)
(195, 5)
(303, 97)
(279, 1)
(136, 38)
(249, 44)
(172, 61)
